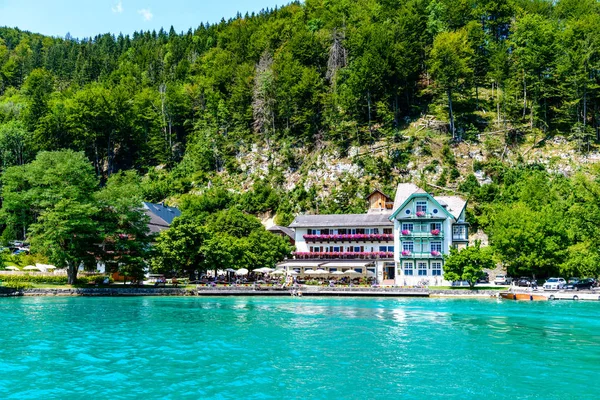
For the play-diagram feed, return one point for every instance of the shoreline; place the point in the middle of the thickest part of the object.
(249, 291)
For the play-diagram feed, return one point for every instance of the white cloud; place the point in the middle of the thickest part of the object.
(118, 8)
(146, 14)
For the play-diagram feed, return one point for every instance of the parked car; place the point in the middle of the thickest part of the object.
(555, 284)
(502, 279)
(580, 284)
(484, 279)
(526, 282)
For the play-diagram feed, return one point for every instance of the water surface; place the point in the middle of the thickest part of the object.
(274, 348)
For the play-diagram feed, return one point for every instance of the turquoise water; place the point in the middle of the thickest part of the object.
(275, 348)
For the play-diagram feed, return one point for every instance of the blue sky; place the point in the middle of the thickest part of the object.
(84, 18)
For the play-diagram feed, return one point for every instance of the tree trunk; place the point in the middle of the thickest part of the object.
(369, 105)
(451, 114)
(524, 95)
(72, 273)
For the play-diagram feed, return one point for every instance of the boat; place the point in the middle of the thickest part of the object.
(523, 296)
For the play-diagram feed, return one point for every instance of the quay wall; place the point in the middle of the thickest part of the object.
(249, 291)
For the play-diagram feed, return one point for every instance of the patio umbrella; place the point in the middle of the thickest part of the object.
(352, 272)
(278, 272)
(241, 271)
(309, 272)
(31, 268)
(337, 273)
(230, 270)
(12, 268)
(292, 272)
(321, 271)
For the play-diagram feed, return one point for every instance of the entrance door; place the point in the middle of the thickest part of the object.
(390, 272)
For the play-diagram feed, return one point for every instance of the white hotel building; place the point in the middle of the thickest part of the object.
(399, 243)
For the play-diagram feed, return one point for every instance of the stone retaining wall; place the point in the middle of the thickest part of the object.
(249, 291)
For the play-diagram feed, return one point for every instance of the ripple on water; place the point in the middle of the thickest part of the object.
(272, 348)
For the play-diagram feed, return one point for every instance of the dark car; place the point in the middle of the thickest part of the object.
(581, 284)
(484, 279)
(526, 282)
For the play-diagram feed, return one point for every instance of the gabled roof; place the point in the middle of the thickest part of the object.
(379, 191)
(161, 216)
(341, 220)
(404, 191)
(454, 204)
(277, 228)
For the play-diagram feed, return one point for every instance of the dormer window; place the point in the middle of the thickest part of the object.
(422, 206)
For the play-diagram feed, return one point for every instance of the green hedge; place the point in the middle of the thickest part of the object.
(50, 279)
(18, 285)
(10, 280)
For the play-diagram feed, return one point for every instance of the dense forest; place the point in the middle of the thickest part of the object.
(182, 109)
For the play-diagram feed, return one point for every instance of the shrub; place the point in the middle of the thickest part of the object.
(48, 279)
(18, 285)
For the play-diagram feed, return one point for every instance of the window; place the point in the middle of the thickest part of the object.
(408, 227)
(436, 225)
(357, 249)
(387, 231)
(335, 248)
(358, 270)
(436, 246)
(422, 268)
(407, 212)
(436, 268)
(408, 268)
(422, 206)
(408, 246)
(459, 232)
(389, 249)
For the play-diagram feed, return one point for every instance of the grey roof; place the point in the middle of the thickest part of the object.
(284, 229)
(341, 220)
(161, 216)
(403, 192)
(454, 204)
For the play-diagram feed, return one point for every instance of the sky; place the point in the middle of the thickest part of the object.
(85, 18)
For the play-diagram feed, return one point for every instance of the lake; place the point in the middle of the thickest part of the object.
(275, 348)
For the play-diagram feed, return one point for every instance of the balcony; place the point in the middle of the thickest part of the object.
(428, 254)
(422, 215)
(374, 237)
(344, 255)
(434, 234)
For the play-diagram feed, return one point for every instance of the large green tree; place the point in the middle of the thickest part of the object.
(468, 264)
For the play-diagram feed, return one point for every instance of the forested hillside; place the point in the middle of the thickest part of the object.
(308, 107)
